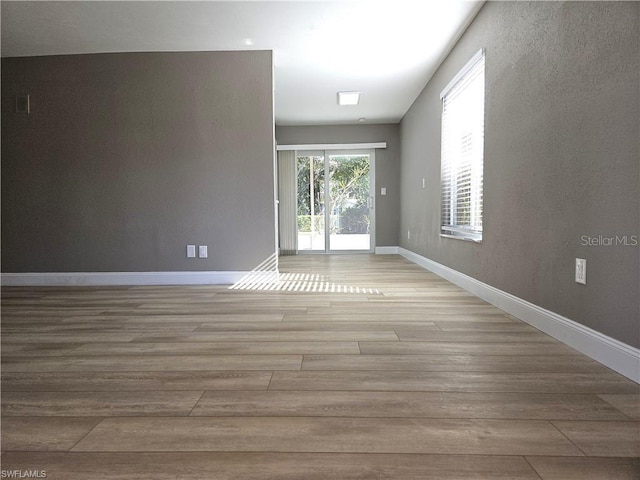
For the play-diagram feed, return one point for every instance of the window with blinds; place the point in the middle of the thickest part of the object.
(463, 152)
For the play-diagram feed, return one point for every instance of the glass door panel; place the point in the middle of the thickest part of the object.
(311, 203)
(350, 201)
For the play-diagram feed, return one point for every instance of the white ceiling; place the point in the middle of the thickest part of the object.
(386, 49)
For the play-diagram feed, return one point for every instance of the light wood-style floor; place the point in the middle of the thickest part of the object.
(353, 367)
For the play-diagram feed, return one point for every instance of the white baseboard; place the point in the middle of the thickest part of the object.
(386, 250)
(616, 355)
(122, 278)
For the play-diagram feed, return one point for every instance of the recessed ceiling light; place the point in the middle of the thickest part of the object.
(348, 98)
(248, 42)
(361, 119)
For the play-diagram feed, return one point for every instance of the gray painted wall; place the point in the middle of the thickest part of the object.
(127, 158)
(387, 165)
(562, 154)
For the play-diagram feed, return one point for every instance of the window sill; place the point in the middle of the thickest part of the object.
(462, 237)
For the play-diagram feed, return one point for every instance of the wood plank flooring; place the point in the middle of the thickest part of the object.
(352, 367)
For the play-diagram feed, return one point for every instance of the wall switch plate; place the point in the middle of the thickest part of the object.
(191, 251)
(202, 251)
(408, 234)
(581, 271)
(424, 183)
(383, 191)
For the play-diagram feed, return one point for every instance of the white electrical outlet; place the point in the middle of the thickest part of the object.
(202, 251)
(383, 191)
(581, 271)
(191, 251)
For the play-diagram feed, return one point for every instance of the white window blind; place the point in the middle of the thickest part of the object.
(463, 152)
(287, 202)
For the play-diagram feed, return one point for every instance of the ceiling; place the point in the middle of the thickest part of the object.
(385, 49)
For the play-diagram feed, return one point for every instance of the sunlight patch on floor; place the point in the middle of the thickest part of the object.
(267, 277)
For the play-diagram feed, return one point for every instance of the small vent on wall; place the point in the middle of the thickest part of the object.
(22, 104)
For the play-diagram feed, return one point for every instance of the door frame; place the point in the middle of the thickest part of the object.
(327, 211)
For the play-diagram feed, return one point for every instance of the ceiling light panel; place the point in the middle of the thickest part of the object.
(348, 98)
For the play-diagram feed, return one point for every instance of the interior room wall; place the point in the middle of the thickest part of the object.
(387, 167)
(561, 160)
(127, 158)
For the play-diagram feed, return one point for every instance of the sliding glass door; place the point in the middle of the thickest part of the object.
(335, 201)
